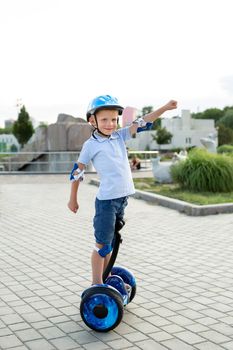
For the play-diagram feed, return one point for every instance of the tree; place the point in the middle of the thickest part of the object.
(226, 108)
(157, 122)
(14, 148)
(227, 119)
(210, 113)
(22, 128)
(6, 130)
(162, 136)
(225, 135)
(43, 125)
(147, 109)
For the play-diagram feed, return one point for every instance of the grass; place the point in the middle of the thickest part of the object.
(2, 156)
(174, 191)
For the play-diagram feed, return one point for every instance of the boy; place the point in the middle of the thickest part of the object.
(106, 149)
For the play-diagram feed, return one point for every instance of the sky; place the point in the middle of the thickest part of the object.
(56, 55)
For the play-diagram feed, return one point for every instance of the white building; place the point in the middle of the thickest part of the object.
(9, 123)
(8, 142)
(186, 132)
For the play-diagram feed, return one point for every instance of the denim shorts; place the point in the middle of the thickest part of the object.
(106, 214)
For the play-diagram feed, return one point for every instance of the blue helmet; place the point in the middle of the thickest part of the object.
(102, 102)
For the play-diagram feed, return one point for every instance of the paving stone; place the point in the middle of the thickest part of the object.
(197, 328)
(9, 341)
(135, 336)
(51, 332)
(5, 331)
(5, 310)
(227, 320)
(50, 312)
(69, 327)
(173, 328)
(207, 321)
(176, 344)
(28, 334)
(180, 320)
(33, 317)
(215, 337)
(37, 305)
(65, 343)
(210, 346)
(59, 319)
(39, 344)
(157, 320)
(119, 344)
(23, 309)
(69, 310)
(163, 312)
(11, 319)
(146, 327)
(83, 337)
(193, 315)
(96, 346)
(189, 337)
(213, 313)
(150, 345)
(42, 324)
(223, 329)
(107, 337)
(19, 326)
(160, 336)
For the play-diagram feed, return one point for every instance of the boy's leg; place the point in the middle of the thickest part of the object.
(106, 260)
(104, 223)
(99, 264)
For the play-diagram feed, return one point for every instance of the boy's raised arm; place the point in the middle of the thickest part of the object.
(151, 117)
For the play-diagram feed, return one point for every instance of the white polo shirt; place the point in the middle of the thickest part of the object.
(110, 159)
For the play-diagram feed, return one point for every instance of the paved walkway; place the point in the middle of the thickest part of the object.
(183, 267)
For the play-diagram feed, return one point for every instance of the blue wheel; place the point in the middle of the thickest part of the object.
(127, 277)
(101, 308)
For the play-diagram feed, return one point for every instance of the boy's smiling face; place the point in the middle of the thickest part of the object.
(107, 120)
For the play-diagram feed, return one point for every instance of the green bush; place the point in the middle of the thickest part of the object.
(203, 171)
(225, 149)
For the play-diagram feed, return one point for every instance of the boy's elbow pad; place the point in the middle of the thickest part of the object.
(76, 174)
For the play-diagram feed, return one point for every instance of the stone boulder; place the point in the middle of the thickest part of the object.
(77, 134)
(66, 118)
(57, 140)
(39, 139)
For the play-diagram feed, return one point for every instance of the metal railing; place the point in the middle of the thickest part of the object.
(54, 162)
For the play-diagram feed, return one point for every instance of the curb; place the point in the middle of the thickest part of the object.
(181, 206)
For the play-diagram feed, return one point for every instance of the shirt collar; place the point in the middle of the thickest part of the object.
(99, 138)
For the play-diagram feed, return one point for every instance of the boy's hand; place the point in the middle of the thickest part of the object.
(73, 206)
(170, 105)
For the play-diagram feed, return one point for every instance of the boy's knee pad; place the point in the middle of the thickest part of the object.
(105, 250)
